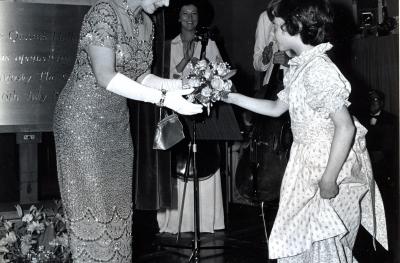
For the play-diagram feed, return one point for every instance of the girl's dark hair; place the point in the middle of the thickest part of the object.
(312, 19)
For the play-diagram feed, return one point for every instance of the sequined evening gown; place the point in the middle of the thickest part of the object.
(94, 145)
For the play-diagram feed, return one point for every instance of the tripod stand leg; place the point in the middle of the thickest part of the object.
(265, 224)
(196, 201)
(185, 179)
(195, 256)
(181, 211)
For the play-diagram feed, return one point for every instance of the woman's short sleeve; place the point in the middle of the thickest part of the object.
(100, 26)
(327, 89)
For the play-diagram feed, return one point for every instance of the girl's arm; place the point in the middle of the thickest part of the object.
(265, 107)
(341, 145)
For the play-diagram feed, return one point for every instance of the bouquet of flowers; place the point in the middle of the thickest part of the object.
(210, 80)
(34, 237)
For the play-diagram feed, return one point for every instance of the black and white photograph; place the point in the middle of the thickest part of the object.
(199, 131)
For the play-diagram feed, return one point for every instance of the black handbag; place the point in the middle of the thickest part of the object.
(169, 131)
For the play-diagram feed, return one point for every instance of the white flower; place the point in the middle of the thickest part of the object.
(8, 225)
(190, 67)
(11, 238)
(26, 244)
(194, 82)
(217, 83)
(19, 210)
(207, 73)
(60, 241)
(58, 216)
(35, 227)
(206, 92)
(2, 259)
(3, 242)
(202, 64)
(227, 85)
(27, 218)
(3, 249)
(32, 208)
(222, 69)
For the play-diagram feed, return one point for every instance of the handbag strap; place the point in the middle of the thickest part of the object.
(164, 113)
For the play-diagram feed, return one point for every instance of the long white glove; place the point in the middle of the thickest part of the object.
(156, 82)
(131, 89)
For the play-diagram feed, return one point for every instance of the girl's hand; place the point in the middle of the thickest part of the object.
(227, 97)
(328, 188)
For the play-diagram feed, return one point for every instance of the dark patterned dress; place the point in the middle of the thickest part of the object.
(93, 142)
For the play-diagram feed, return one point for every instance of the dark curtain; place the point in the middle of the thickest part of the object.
(152, 168)
(375, 65)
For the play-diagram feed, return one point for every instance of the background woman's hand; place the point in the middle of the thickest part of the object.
(328, 188)
(267, 54)
(188, 50)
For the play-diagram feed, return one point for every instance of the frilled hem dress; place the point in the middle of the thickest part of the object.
(94, 145)
(308, 228)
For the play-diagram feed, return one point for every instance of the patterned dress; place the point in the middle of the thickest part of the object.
(308, 228)
(94, 145)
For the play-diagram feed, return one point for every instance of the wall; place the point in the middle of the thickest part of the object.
(9, 151)
(237, 21)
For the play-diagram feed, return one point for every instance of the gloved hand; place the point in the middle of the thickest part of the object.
(175, 101)
(124, 86)
(156, 82)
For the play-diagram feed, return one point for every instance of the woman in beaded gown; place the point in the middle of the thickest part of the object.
(91, 125)
(328, 188)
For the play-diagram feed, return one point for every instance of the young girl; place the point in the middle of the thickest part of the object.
(327, 187)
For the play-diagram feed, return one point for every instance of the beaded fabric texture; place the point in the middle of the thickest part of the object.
(94, 145)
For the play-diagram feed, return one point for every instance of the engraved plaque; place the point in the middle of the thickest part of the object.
(38, 45)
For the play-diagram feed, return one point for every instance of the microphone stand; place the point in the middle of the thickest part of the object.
(195, 247)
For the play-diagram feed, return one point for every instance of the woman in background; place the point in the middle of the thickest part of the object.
(185, 49)
(91, 125)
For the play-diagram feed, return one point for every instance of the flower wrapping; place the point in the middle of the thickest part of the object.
(210, 80)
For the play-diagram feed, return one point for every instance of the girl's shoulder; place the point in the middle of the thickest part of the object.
(322, 75)
(322, 67)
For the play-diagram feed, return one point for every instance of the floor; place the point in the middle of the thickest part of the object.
(243, 241)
